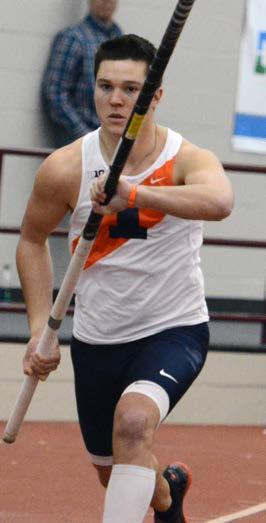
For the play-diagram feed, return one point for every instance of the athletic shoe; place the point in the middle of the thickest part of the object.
(179, 479)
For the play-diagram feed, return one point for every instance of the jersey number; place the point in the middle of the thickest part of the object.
(128, 226)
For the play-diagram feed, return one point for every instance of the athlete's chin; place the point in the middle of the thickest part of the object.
(116, 128)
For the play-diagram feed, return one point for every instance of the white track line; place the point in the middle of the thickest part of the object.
(238, 515)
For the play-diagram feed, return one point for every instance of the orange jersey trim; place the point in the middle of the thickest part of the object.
(103, 243)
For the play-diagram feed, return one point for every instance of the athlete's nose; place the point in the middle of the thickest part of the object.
(116, 97)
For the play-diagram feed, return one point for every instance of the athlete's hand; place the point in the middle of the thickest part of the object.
(118, 203)
(34, 364)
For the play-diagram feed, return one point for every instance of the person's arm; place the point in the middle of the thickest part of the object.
(59, 82)
(45, 209)
(203, 191)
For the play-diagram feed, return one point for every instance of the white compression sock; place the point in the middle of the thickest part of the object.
(129, 494)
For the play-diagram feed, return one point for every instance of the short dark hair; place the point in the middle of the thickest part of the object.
(126, 47)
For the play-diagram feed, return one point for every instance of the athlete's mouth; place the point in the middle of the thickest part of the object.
(116, 116)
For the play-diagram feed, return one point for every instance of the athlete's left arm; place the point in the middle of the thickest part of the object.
(202, 190)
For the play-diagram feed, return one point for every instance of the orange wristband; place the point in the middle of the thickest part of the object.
(131, 202)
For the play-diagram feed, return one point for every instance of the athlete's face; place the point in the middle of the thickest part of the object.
(118, 84)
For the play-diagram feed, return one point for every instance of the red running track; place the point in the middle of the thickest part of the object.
(46, 476)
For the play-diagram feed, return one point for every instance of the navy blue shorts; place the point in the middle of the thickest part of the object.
(102, 372)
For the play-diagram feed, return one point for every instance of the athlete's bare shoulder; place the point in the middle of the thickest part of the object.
(61, 171)
(192, 158)
(191, 150)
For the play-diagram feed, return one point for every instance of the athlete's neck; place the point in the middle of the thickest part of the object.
(143, 153)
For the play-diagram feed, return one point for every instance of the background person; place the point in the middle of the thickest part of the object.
(68, 81)
(140, 335)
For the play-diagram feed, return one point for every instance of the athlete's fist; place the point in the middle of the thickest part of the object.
(118, 203)
(34, 364)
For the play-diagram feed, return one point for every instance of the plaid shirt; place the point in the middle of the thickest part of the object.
(68, 82)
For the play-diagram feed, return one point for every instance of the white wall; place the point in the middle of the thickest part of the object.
(26, 30)
(200, 90)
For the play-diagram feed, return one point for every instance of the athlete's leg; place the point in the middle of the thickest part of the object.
(136, 419)
(169, 361)
(104, 473)
(160, 500)
(161, 488)
(135, 481)
(97, 392)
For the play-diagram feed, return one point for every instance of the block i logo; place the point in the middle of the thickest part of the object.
(260, 66)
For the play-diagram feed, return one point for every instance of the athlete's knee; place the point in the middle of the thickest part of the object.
(133, 426)
(104, 473)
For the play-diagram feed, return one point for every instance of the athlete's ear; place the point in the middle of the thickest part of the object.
(157, 97)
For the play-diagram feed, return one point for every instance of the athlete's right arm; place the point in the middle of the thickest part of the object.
(47, 205)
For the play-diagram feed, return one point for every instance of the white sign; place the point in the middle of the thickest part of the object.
(249, 132)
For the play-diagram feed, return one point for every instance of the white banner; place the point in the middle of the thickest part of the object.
(249, 133)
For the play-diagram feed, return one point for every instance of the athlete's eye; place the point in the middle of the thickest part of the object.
(105, 87)
(132, 89)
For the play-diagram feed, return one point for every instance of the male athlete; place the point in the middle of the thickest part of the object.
(140, 334)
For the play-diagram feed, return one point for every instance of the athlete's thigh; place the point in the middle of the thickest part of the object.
(172, 359)
(97, 390)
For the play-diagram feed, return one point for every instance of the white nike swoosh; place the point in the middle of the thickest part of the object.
(163, 373)
(156, 180)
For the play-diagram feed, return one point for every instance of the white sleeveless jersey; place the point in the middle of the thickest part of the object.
(143, 273)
